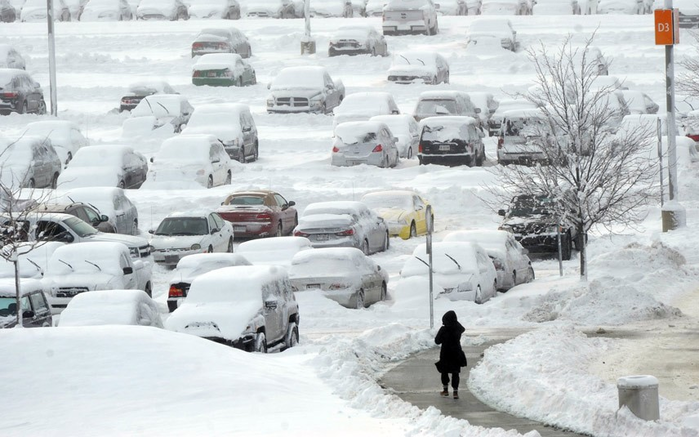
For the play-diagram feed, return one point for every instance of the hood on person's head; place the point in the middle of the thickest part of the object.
(449, 318)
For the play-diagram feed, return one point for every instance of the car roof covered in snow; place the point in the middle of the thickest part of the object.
(215, 61)
(336, 207)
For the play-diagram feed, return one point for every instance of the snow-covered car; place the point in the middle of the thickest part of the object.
(343, 274)
(83, 267)
(230, 123)
(248, 307)
(275, 251)
(275, 9)
(35, 10)
(304, 89)
(65, 136)
(363, 106)
(428, 67)
(404, 211)
(364, 142)
(110, 201)
(374, 8)
(172, 10)
(495, 122)
(500, 28)
(191, 158)
(332, 8)
(485, 103)
(110, 165)
(592, 55)
(505, 7)
(638, 102)
(343, 224)
(512, 264)
(451, 7)
(20, 93)
(195, 265)
(36, 311)
(405, 129)
(462, 270)
(29, 162)
(556, 7)
(84, 212)
(402, 17)
(111, 307)
(630, 7)
(161, 112)
(223, 69)
(107, 10)
(185, 233)
(520, 137)
(32, 259)
(259, 213)
(356, 40)
(221, 40)
(444, 103)
(139, 90)
(11, 58)
(451, 140)
(8, 13)
(225, 9)
(76, 8)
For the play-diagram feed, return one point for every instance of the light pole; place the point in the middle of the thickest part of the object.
(308, 45)
(52, 59)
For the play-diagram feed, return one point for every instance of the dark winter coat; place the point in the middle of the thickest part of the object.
(451, 357)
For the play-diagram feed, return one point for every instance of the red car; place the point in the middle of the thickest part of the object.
(260, 213)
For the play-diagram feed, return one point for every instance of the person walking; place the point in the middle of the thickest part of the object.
(451, 356)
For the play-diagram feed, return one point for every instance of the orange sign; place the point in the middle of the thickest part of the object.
(664, 27)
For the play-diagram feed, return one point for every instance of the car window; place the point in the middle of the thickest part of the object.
(39, 303)
(328, 81)
(48, 230)
(280, 200)
(81, 214)
(267, 291)
(418, 202)
(124, 261)
(91, 215)
(288, 292)
(218, 220)
(212, 223)
(24, 304)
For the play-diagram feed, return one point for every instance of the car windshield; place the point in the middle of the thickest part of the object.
(414, 59)
(247, 200)
(356, 137)
(437, 107)
(80, 227)
(523, 127)
(524, 206)
(8, 306)
(182, 226)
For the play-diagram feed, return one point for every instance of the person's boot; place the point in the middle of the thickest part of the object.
(456, 394)
(445, 391)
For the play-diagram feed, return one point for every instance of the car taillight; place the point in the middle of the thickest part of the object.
(196, 45)
(345, 233)
(335, 149)
(223, 45)
(419, 148)
(175, 292)
(197, 73)
(377, 149)
(501, 142)
(10, 95)
(300, 234)
(695, 137)
(498, 265)
(264, 216)
(337, 286)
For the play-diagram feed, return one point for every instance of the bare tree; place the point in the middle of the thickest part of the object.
(597, 173)
(688, 80)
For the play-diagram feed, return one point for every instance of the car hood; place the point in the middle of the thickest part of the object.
(296, 92)
(97, 14)
(128, 240)
(391, 214)
(89, 177)
(175, 241)
(226, 320)
(411, 70)
(94, 281)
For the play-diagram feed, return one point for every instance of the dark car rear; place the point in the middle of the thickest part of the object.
(20, 93)
(451, 140)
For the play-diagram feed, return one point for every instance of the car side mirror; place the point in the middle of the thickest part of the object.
(151, 159)
(271, 304)
(378, 268)
(104, 218)
(151, 231)
(478, 110)
(291, 203)
(525, 251)
(214, 230)
(501, 212)
(65, 237)
(138, 264)
(28, 314)
(395, 139)
(128, 270)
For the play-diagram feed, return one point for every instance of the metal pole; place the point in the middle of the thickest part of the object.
(560, 248)
(660, 160)
(52, 59)
(428, 247)
(671, 130)
(20, 321)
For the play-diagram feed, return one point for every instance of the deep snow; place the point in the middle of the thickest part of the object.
(119, 381)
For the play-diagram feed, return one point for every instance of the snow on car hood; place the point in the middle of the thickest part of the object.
(204, 11)
(411, 70)
(325, 221)
(89, 177)
(390, 214)
(176, 172)
(226, 320)
(129, 240)
(297, 92)
(95, 281)
(175, 241)
(100, 13)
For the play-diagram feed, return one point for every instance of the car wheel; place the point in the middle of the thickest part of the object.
(239, 81)
(229, 249)
(42, 107)
(446, 79)
(149, 289)
(121, 185)
(280, 230)
(296, 220)
(70, 156)
(24, 108)
(566, 247)
(514, 278)
(410, 153)
(210, 182)
(255, 152)
(373, 51)
(229, 178)
(54, 181)
(384, 292)
(359, 303)
(210, 249)
(479, 159)
(241, 155)
(134, 230)
(479, 295)
(384, 162)
(292, 336)
(365, 247)
(386, 243)
(531, 276)
(413, 230)
(261, 343)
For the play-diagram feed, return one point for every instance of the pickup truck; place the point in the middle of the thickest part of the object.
(402, 17)
(304, 89)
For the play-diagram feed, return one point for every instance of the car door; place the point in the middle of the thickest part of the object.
(226, 230)
(41, 309)
(122, 220)
(129, 276)
(420, 210)
(217, 170)
(286, 213)
(332, 98)
(273, 311)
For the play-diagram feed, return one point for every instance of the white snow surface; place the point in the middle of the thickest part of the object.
(139, 381)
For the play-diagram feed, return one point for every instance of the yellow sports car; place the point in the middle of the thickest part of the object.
(402, 210)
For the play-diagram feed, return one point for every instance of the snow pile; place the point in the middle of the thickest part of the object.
(543, 375)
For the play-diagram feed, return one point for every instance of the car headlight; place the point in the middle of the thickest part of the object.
(427, 78)
(270, 102)
(195, 247)
(507, 228)
(133, 251)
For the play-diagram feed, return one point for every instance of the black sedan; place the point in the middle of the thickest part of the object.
(20, 93)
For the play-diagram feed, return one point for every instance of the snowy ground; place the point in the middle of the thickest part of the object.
(117, 381)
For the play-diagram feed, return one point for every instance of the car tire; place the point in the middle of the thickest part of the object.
(149, 289)
(409, 155)
(229, 178)
(566, 247)
(239, 81)
(292, 336)
(479, 295)
(386, 243)
(241, 155)
(229, 249)
(210, 182)
(359, 300)
(54, 181)
(210, 249)
(413, 230)
(514, 278)
(384, 292)
(384, 162)
(24, 108)
(480, 158)
(280, 230)
(32, 183)
(260, 343)
(134, 230)
(255, 152)
(530, 274)
(365, 247)
(42, 107)
(121, 185)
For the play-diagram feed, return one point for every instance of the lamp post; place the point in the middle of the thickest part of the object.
(308, 45)
(52, 59)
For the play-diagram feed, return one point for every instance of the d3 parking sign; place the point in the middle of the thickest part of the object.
(667, 29)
